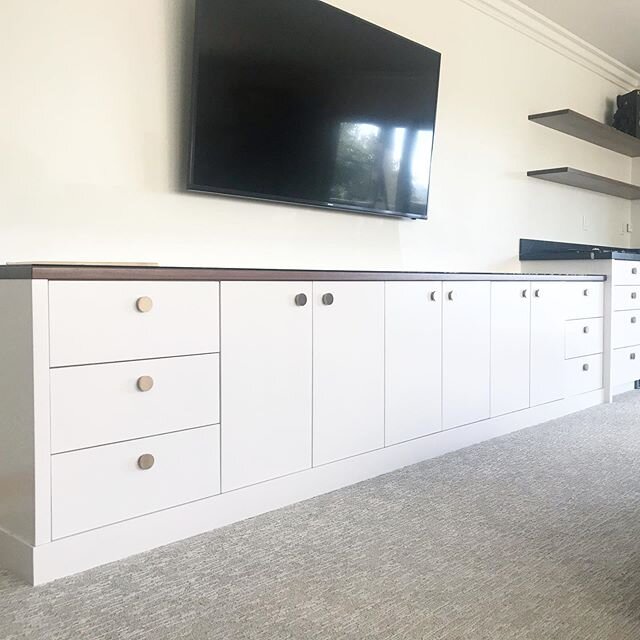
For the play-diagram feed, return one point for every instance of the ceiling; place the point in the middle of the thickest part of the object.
(612, 26)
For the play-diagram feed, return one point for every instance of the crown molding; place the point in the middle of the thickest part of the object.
(550, 34)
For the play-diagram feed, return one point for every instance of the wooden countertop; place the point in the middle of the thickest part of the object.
(116, 272)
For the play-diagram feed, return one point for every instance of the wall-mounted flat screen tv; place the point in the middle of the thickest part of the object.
(298, 102)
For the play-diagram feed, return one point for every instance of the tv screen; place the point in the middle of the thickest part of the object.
(296, 101)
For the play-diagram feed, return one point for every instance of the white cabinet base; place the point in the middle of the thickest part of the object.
(86, 550)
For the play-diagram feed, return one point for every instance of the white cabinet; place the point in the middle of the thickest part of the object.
(348, 369)
(266, 380)
(584, 337)
(413, 360)
(95, 322)
(510, 328)
(626, 297)
(465, 352)
(583, 374)
(583, 299)
(626, 272)
(547, 342)
(625, 329)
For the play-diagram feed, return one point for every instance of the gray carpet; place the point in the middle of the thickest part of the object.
(531, 536)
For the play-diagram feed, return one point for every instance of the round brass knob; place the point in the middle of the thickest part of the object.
(585, 330)
(634, 295)
(146, 461)
(585, 367)
(327, 299)
(634, 270)
(632, 356)
(300, 300)
(525, 293)
(450, 295)
(538, 293)
(144, 304)
(585, 292)
(634, 320)
(432, 296)
(145, 383)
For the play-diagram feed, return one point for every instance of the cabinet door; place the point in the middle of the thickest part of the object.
(266, 352)
(547, 342)
(510, 326)
(413, 360)
(465, 352)
(348, 369)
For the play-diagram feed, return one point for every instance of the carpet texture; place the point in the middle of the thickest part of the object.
(532, 536)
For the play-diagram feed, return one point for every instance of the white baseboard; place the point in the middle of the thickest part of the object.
(83, 551)
(623, 388)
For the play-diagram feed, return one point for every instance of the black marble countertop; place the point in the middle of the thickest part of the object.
(549, 250)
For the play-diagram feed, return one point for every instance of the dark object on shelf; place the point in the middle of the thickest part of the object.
(627, 117)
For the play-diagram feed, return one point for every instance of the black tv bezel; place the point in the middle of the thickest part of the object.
(261, 197)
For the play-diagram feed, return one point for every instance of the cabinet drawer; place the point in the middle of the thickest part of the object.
(625, 364)
(94, 322)
(583, 374)
(626, 272)
(626, 297)
(584, 300)
(584, 337)
(626, 329)
(100, 486)
(105, 403)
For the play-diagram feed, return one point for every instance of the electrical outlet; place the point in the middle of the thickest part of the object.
(629, 227)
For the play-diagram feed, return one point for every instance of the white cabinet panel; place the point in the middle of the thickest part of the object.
(625, 365)
(465, 352)
(348, 369)
(584, 299)
(583, 374)
(626, 297)
(547, 341)
(266, 380)
(413, 361)
(99, 486)
(626, 272)
(95, 322)
(108, 397)
(510, 328)
(625, 329)
(584, 337)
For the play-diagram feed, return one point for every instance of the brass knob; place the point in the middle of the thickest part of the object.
(146, 461)
(585, 330)
(450, 295)
(632, 356)
(538, 293)
(634, 320)
(145, 383)
(300, 300)
(327, 299)
(432, 296)
(585, 292)
(585, 367)
(525, 293)
(144, 304)
(634, 270)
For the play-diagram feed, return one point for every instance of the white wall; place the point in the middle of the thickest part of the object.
(92, 124)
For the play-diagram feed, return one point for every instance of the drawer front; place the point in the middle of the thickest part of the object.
(584, 300)
(583, 374)
(584, 337)
(626, 328)
(105, 403)
(626, 272)
(100, 486)
(625, 365)
(626, 297)
(94, 322)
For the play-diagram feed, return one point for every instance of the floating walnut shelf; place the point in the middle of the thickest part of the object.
(579, 126)
(589, 181)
